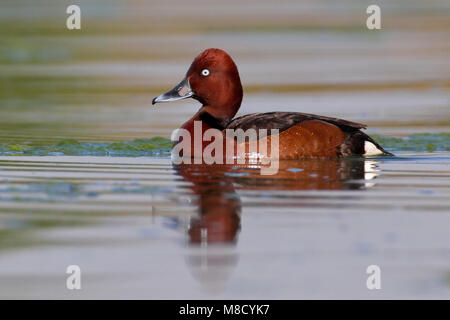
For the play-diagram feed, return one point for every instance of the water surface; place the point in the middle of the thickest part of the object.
(142, 228)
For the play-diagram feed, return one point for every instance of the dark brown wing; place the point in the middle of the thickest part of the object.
(285, 120)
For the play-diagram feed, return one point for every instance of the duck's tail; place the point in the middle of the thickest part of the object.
(373, 148)
(359, 143)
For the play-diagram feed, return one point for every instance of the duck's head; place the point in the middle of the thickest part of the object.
(213, 80)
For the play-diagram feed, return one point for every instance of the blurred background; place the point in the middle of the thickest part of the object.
(136, 225)
(96, 84)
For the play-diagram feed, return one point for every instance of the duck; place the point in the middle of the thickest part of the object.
(213, 80)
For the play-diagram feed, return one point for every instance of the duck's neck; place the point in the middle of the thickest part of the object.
(208, 120)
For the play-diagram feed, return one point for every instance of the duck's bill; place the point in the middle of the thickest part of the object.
(181, 91)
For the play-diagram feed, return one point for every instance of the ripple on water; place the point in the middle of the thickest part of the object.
(348, 212)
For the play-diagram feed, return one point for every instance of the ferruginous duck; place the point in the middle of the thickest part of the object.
(213, 79)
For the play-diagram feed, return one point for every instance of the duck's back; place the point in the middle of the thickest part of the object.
(309, 135)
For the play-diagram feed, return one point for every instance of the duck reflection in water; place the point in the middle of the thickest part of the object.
(213, 233)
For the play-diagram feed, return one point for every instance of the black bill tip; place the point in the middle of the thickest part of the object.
(181, 91)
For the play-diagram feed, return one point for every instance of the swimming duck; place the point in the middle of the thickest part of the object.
(213, 79)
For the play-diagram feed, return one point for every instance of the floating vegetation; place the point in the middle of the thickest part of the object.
(159, 146)
(428, 142)
(156, 146)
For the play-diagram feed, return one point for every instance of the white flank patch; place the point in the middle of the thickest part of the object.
(371, 150)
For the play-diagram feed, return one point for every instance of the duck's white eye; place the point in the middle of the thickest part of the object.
(205, 72)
